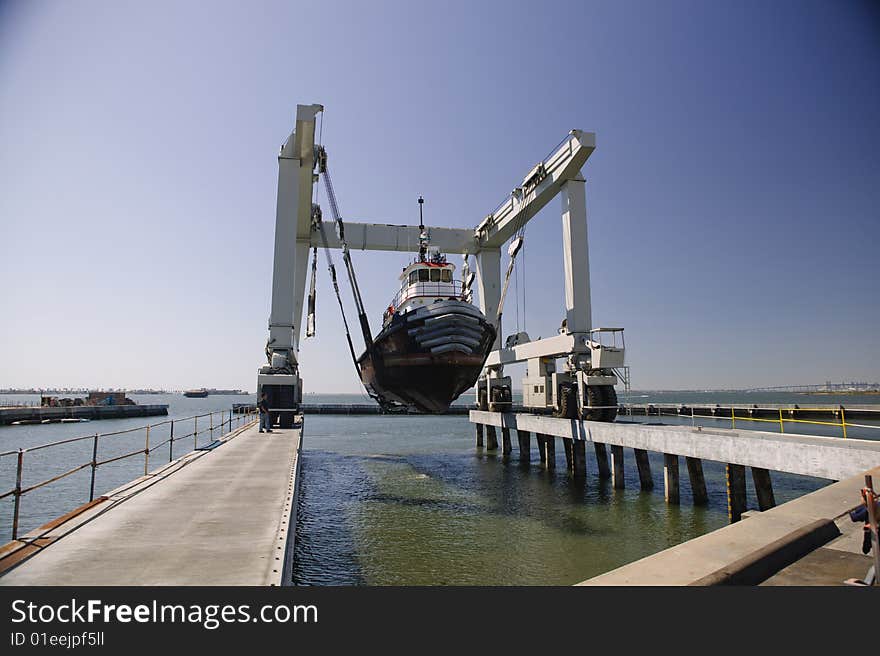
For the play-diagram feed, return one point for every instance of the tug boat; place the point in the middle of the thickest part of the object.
(433, 341)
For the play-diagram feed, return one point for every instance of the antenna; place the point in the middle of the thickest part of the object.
(421, 220)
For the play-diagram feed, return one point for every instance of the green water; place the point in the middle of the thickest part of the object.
(412, 501)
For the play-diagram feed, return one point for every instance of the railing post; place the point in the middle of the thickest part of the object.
(781, 425)
(171, 443)
(212, 425)
(94, 467)
(17, 494)
(732, 418)
(147, 452)
(843, 425)
(195, 432)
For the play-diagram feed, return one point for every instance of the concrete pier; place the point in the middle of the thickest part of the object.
(525, 446)
(579, 458)
(784, 543)
(699, 494)
(569, 459)
(644, 467)
(763, 488)
(602, 460)
(220, 517)
(670, 479)
(736, 491)
(832, 458)
(506, 448)
(491, 439)
(51, 414)
(542, 450)
(549, 459)
(617, 480)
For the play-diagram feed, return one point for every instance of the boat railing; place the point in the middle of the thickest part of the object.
(453, 289)
(214, 425)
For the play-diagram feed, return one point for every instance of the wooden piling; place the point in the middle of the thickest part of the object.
(644, 466)
(579, 458)
(617, 480)
(525, 446)
(569, 459)
(491, 438)
(602, 460)
(479, 428)
(763, 488)
(698, 481)
(505, 441)
(736, 491)
(542, 449)
(670, 479)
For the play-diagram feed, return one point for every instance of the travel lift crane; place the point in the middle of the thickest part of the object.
(594, 361)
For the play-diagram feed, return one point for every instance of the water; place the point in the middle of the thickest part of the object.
(410, 501)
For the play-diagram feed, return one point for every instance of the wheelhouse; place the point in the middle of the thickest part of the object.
(423, 282)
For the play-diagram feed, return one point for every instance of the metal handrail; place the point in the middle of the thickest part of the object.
(239, 419)
(843, 424)
(452, 289)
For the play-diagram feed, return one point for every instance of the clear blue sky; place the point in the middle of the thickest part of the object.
(733, 199)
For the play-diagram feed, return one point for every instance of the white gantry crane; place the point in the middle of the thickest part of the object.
(593, 357)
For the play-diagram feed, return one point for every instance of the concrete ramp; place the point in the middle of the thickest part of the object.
(219, 517)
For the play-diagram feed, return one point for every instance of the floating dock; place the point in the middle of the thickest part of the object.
(56, 413)
(225, 515)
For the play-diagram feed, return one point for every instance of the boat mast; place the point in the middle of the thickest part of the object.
(423, 234)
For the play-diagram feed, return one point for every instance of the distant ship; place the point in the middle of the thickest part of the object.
(433, 341)
(196, 393)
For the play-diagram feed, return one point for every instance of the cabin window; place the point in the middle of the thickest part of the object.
(446, 275)
(435, 275)
(423, 275)
(413, 277)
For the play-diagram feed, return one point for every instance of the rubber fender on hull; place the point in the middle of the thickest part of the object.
(451, 339)
(453, 318)
(446, 348)
(423, 337)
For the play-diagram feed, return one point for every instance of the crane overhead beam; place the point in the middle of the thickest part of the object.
(538, 188)
(403, 238)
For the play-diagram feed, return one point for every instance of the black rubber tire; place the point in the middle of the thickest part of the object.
(594, 397)
(501, 398)
(281, 396)
(568, 406)
(482, 402)
(609, 398)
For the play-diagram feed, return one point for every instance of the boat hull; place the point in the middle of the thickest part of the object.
(426, 358)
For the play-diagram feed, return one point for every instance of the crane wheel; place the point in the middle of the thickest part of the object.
(501, 396)
(595, 397)
(609, 398)
(568, 402)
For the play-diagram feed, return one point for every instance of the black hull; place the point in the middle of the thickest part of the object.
(427, 357)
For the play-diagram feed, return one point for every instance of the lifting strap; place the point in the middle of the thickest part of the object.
(319, 224)
(512, 250)
(317, 221)
(310, 321)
